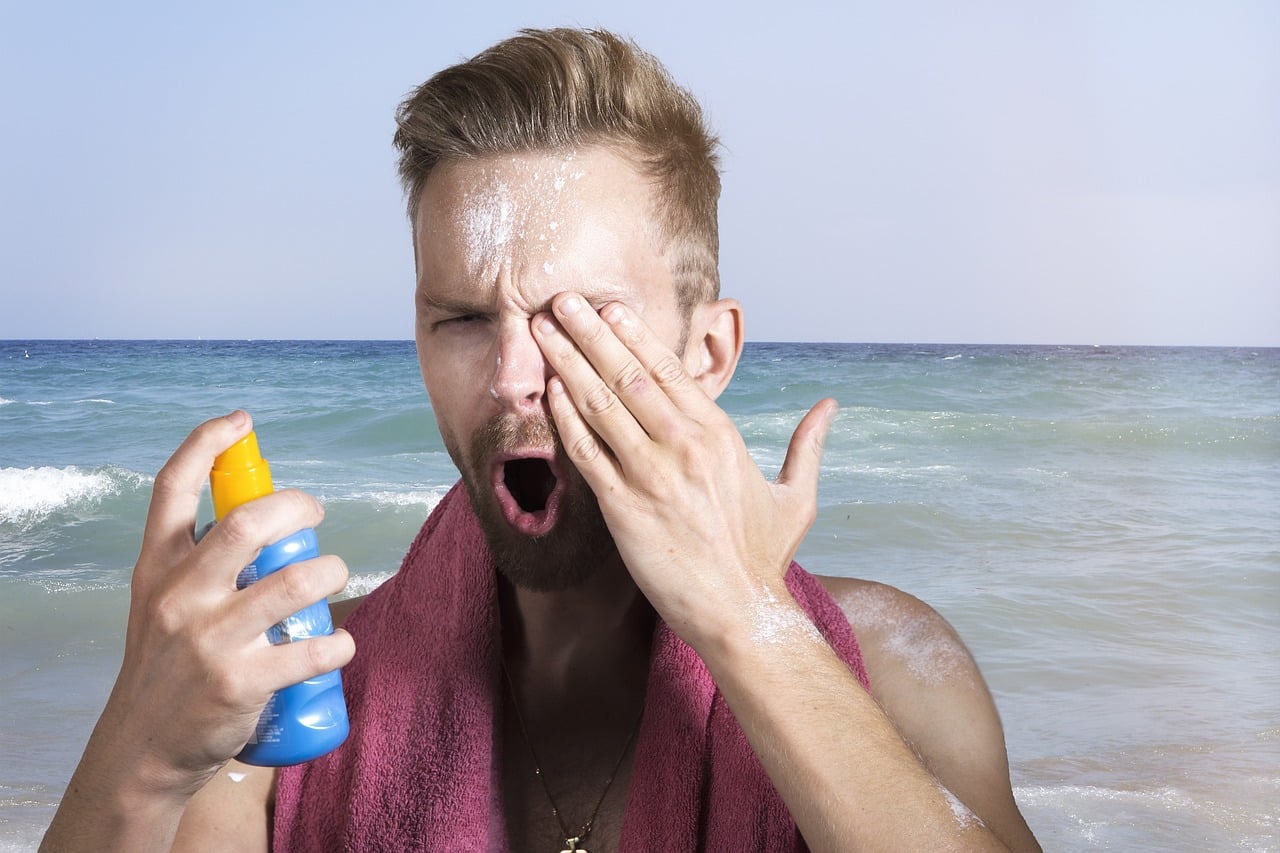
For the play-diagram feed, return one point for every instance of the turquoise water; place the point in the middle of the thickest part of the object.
(1102, 525)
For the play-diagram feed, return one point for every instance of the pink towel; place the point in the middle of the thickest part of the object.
(419, 770)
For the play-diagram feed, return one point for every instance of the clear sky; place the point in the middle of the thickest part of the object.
(1018, 172)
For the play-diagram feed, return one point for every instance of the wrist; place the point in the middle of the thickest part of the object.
(763, 617)
(115, 804)
(128, 765)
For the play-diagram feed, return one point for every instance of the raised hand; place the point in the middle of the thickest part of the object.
(701, 530)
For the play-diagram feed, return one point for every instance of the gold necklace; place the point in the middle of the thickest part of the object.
(571, 841)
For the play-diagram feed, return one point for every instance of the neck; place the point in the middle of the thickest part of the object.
(602, 627)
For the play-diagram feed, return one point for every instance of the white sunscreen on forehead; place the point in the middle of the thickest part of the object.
(487, 220)
(513, 206)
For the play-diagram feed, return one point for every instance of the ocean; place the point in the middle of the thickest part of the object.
(1101, 524)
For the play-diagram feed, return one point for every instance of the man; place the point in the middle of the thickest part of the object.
(630, 640)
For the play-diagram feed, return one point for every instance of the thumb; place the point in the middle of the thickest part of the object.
(804, 454)
(171, 516)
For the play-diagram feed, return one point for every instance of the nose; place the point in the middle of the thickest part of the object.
(520, 373)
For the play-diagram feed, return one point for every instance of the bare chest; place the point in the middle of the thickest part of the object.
(577, 788)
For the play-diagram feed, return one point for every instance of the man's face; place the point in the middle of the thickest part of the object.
(496, 239)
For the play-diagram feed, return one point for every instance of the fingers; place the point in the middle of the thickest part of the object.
(608, 385)
(300, 661)
(618, 372)
(585, 449)
(271, 668)
(296, 662)
(176, 493)
(663, 365)
(297, 590)
(235, 540)
(286, 592)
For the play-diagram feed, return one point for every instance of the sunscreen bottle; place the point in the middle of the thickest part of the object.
(305, 720)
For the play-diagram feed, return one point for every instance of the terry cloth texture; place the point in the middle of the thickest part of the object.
(421, 771)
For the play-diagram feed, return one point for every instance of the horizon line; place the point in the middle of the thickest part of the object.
(17, 341)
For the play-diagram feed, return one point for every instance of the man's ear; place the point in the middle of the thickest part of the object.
(714, 344)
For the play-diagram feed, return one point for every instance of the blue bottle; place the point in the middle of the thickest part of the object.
(305, 720)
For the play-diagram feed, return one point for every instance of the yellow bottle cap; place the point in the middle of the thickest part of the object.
(239, 475)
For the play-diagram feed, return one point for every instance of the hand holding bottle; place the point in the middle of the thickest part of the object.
(198, 669)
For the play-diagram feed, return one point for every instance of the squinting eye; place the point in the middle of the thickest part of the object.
(461, 320)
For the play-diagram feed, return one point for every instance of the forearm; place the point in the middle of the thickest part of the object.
(101, 819)
(849, 778)
(113, 802)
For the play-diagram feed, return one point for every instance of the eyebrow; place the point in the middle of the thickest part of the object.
(447, 305)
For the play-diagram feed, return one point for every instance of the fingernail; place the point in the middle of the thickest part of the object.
(238, 418)
(547, 326)
(614, 314)
(570, 306)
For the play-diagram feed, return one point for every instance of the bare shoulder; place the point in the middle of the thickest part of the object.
(926, 680)
(919, 667)
(906, 644)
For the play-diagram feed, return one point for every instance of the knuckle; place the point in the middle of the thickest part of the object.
(599, 400)
(240, 528)
(669, 371)
(593, 333)
(630, 378)
(691, 455)
(302, 504)
(585, 448)
(688, 438)
(318, 654)
(336, 572)
(166, 614)
(298, 584)
(630, 333)
(226, 685)
(166, 483)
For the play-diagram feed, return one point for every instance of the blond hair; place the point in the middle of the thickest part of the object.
(546, 90)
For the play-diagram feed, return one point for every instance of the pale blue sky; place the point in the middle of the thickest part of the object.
(1104, 172)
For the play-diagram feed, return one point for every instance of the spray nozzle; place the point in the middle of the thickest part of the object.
(239, 475)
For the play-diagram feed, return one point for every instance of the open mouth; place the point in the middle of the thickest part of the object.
(530, 482)
(528, 490)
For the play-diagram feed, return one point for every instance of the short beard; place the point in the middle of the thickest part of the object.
(579, 544)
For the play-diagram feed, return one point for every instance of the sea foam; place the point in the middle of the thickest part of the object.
(28, 496)
(424, 498)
